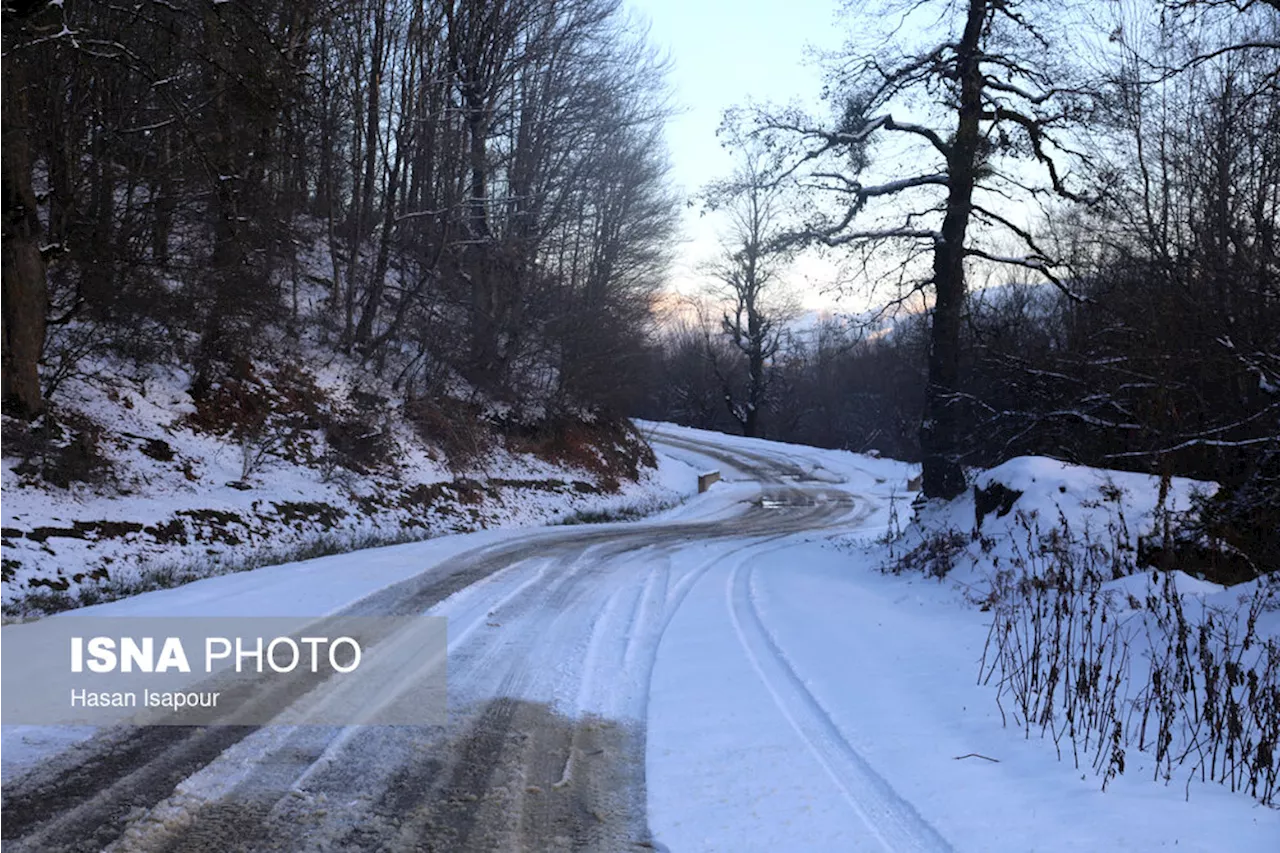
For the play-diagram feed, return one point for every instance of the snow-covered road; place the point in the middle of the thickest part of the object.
(553, 637)
(716, 678)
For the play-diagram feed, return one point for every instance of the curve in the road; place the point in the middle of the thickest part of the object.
(504, 771)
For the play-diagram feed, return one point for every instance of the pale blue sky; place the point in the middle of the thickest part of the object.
(729, 52)
(724, 53)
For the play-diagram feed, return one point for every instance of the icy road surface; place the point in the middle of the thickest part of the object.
(717, 678)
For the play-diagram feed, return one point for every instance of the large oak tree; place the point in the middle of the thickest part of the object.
(954, 121)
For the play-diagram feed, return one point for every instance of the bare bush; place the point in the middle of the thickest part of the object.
(1102, 674)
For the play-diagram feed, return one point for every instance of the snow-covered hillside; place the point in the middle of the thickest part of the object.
(145, 487)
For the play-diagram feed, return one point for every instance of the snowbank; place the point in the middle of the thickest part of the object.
(1017, 507)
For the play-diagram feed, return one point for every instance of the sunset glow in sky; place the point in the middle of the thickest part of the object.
(726, 53)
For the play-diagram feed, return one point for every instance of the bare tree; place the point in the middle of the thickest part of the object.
(983, 103)
(23, 269)
(488, 179)
(747, 274)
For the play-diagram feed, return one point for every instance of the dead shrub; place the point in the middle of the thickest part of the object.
(1196, 689)
(61, 452)
(610, 448)
(356, 443)
(457, 428)
(935, 556)
(273, 413)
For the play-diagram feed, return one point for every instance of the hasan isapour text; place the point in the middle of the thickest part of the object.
(148, 699)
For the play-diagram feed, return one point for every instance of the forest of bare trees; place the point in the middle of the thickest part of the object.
(475, 189)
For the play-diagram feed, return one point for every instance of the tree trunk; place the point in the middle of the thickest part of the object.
(755, 365)
(22, 271)
(376, 63)
(942, 476)
(378, 283)
(484, 325)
